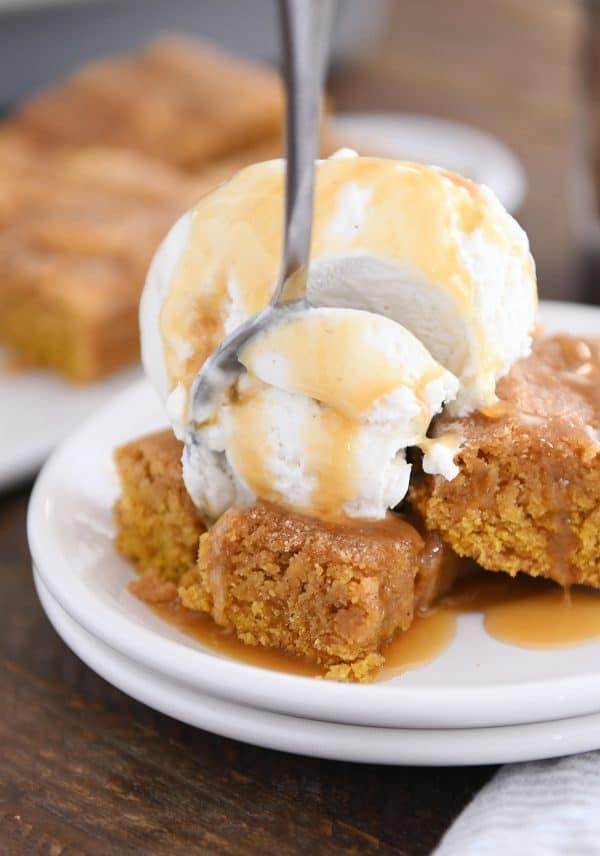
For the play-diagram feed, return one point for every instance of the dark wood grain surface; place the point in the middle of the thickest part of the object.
(85, 769)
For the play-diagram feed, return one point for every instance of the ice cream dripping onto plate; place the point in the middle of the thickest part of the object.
(424, 296)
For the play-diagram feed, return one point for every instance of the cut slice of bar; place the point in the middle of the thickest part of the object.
(158, 527)
(528, 494)
(178, 100)
(333, 593)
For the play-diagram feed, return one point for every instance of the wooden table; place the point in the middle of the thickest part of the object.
(85, 769)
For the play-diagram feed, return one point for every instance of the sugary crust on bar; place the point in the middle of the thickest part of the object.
(178, 100)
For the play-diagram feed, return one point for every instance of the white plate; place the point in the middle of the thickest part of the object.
(477, 681)
(468, 151)
(39, 409)
(424, 747)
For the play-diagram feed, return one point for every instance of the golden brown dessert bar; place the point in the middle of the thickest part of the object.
(333, 593)
(528, 494)
(77, 232)
(158, 527)
(177, 100)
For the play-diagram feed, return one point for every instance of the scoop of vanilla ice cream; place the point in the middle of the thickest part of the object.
(419, 245)
(321, 419)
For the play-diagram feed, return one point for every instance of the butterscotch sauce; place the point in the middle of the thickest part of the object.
(549, 619)
(332, 454)
(523, 612)
(233, 249)
(329, 449)
(250, 444)
(527, 612)
(223, 641)
(342, 358)
(428, 636)
(314, 380)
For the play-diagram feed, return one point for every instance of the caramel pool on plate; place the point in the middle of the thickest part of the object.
(524, 612)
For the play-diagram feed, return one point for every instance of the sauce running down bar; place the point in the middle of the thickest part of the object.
(556, 394)
(528, 492)
(523, 612)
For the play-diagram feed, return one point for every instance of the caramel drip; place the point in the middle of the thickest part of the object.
(439, 568)
(338, 360)
(250, 445)
(523, 612)
(428, 636)
(548, 619)
(234, 244)
(556, 394)
(332, 455)
(222, 641)
(329, 449)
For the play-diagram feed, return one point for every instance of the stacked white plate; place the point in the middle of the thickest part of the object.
(480, 702)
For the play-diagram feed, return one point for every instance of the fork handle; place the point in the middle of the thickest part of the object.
(305, 32)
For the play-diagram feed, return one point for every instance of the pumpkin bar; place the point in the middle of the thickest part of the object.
(77, 233)
(177, 100)
(93, 174)
(527, 497)
(158, 527)
(333, 593)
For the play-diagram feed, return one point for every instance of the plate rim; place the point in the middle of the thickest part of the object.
(424, 707)
(25, 460)
(334, 741)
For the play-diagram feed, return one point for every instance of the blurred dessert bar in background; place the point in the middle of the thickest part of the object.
(177, 100)
(93, 173)
(77, 231)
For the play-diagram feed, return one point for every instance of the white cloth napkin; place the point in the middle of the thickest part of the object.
(547, 808)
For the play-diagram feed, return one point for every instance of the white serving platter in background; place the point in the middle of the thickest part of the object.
(473, 153)
(38, 409)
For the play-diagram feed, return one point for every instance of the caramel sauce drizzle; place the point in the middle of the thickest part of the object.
(226, 253)
(523, 612)
(222, 641)
(563, 405)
